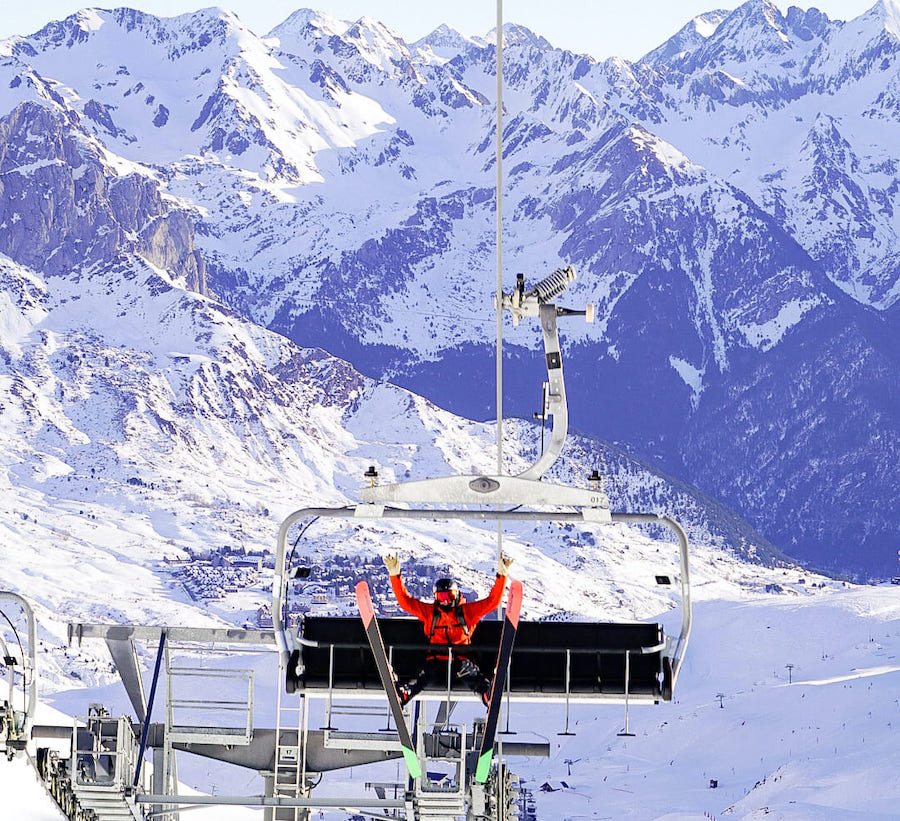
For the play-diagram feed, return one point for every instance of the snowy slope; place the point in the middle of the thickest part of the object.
(820, 747)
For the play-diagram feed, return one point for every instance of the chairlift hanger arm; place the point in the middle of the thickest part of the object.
(537, 302)
(483, 492)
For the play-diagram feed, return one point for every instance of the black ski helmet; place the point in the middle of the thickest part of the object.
(446, 592)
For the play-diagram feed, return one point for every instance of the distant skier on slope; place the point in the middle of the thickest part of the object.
(449, 619)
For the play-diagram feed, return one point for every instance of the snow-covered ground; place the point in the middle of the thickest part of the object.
(789, 701)
(817, 741)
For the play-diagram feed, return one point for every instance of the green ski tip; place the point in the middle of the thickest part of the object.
(412, 762)
(484, 766)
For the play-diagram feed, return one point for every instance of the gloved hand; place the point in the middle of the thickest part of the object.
(392, 563)
(503, 565)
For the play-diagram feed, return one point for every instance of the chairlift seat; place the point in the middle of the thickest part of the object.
(585, 660)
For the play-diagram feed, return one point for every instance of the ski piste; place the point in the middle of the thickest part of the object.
(373, 634)
(507, 639)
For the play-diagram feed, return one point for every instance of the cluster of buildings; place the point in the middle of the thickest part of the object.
(210, 574)
(329, 588)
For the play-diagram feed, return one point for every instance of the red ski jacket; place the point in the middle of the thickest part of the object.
(448, 626)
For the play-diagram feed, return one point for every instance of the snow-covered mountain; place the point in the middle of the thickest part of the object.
(196, 223)
(143, 422)
(728, 200)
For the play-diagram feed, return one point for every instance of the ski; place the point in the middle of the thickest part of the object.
(507, 639)
(373, 634)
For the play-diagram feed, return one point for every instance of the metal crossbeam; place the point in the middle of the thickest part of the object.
(263, 801)
(201, 635)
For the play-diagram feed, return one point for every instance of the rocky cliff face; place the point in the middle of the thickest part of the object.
(63, 209)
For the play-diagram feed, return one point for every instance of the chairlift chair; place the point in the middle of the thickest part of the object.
(561, 661)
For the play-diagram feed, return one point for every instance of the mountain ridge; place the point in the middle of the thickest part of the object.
(704, 251)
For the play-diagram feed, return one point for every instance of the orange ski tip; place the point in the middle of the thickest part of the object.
(514, 608)
(364, 602)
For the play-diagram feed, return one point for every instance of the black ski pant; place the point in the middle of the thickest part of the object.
(434, 672)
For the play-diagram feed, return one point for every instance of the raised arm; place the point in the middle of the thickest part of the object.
(409, 603)
(478, 609)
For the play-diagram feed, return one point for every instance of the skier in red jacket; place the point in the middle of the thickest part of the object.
(449, 619)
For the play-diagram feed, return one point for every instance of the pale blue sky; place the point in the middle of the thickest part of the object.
(601, 28)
